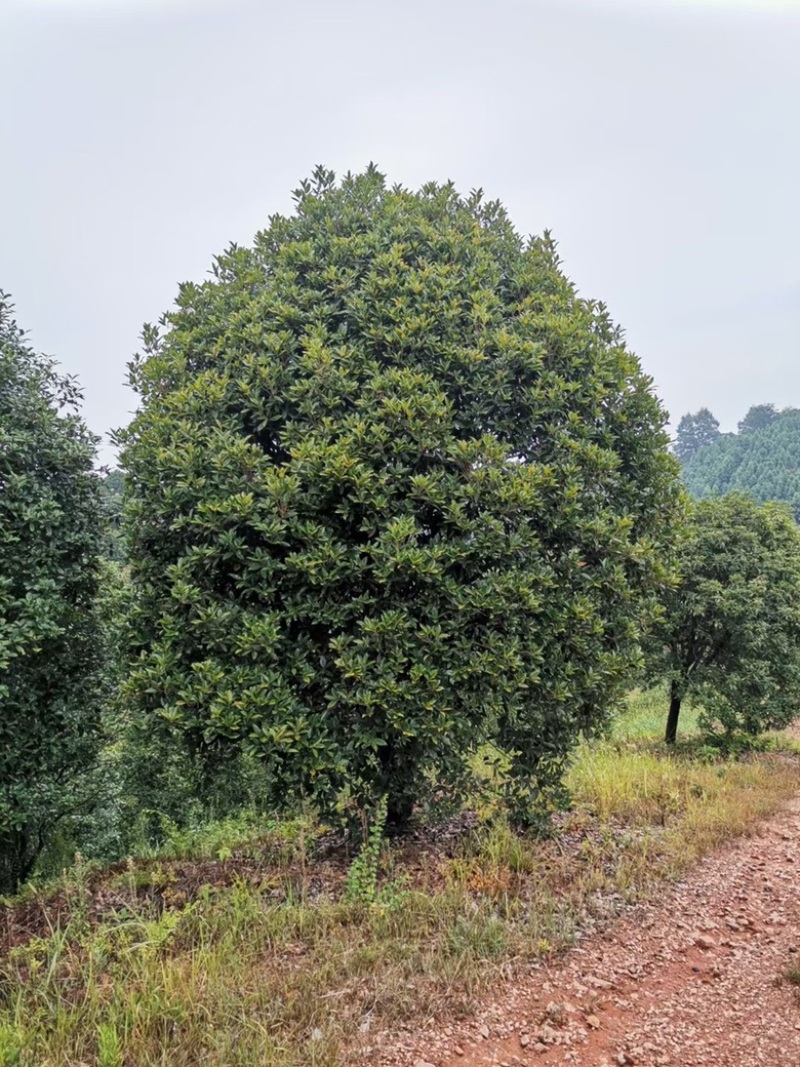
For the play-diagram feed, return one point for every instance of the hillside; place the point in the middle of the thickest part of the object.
(266, 941)
(764, 463)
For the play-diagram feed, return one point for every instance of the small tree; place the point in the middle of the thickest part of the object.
(731, 634)
(394, 490)
(694, 432)
(50, 646)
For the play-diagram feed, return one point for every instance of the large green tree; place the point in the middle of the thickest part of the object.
(51, 662)
(394, 490)
(730, 637)
(758, 417)
(695, 432)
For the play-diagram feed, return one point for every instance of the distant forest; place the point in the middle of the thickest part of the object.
(762, 459)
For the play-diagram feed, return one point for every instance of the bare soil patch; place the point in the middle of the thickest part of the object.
(699, 979)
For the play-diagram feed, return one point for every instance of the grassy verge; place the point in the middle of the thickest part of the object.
(238, 948)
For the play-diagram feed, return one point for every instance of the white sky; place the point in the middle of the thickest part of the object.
(659, 140)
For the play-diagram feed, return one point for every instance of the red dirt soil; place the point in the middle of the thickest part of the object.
(697, 980)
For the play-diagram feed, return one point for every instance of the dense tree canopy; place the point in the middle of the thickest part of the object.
(758, 417)
(395, 490)
(51, 531)
(764, 464)
(731, 634)
(695, 432)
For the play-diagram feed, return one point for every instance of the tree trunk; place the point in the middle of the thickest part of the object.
(17, 860)
(674, 714)
(398, 786)
(399, 813)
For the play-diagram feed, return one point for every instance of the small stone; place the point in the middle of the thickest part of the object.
(593, 1021)
(484, 1032)
(556, 1013)
(423, 1063)
(524, 1040)
(705, 942)
(458, 1050)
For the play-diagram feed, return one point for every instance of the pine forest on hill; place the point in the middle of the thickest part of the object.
(761, 460)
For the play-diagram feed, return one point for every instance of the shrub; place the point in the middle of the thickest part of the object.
(394, 490)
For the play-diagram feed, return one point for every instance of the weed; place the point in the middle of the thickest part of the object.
(478, 937)
(109, 1046)
(362, 877)
(10, 1046)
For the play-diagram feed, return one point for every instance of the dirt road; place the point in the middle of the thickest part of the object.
(692, 981)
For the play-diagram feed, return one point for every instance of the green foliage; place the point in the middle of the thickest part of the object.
(395, 490)
(52, 663)
(145, 790)
(764, 463)
(695, 432)
(731, 633)
(10, 1046)
(362, 877)
(109, 1046)
(758, 417)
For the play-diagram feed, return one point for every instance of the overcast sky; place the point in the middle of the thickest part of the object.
(658, 139)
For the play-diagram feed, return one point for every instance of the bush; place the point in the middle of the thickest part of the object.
(394, 490)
